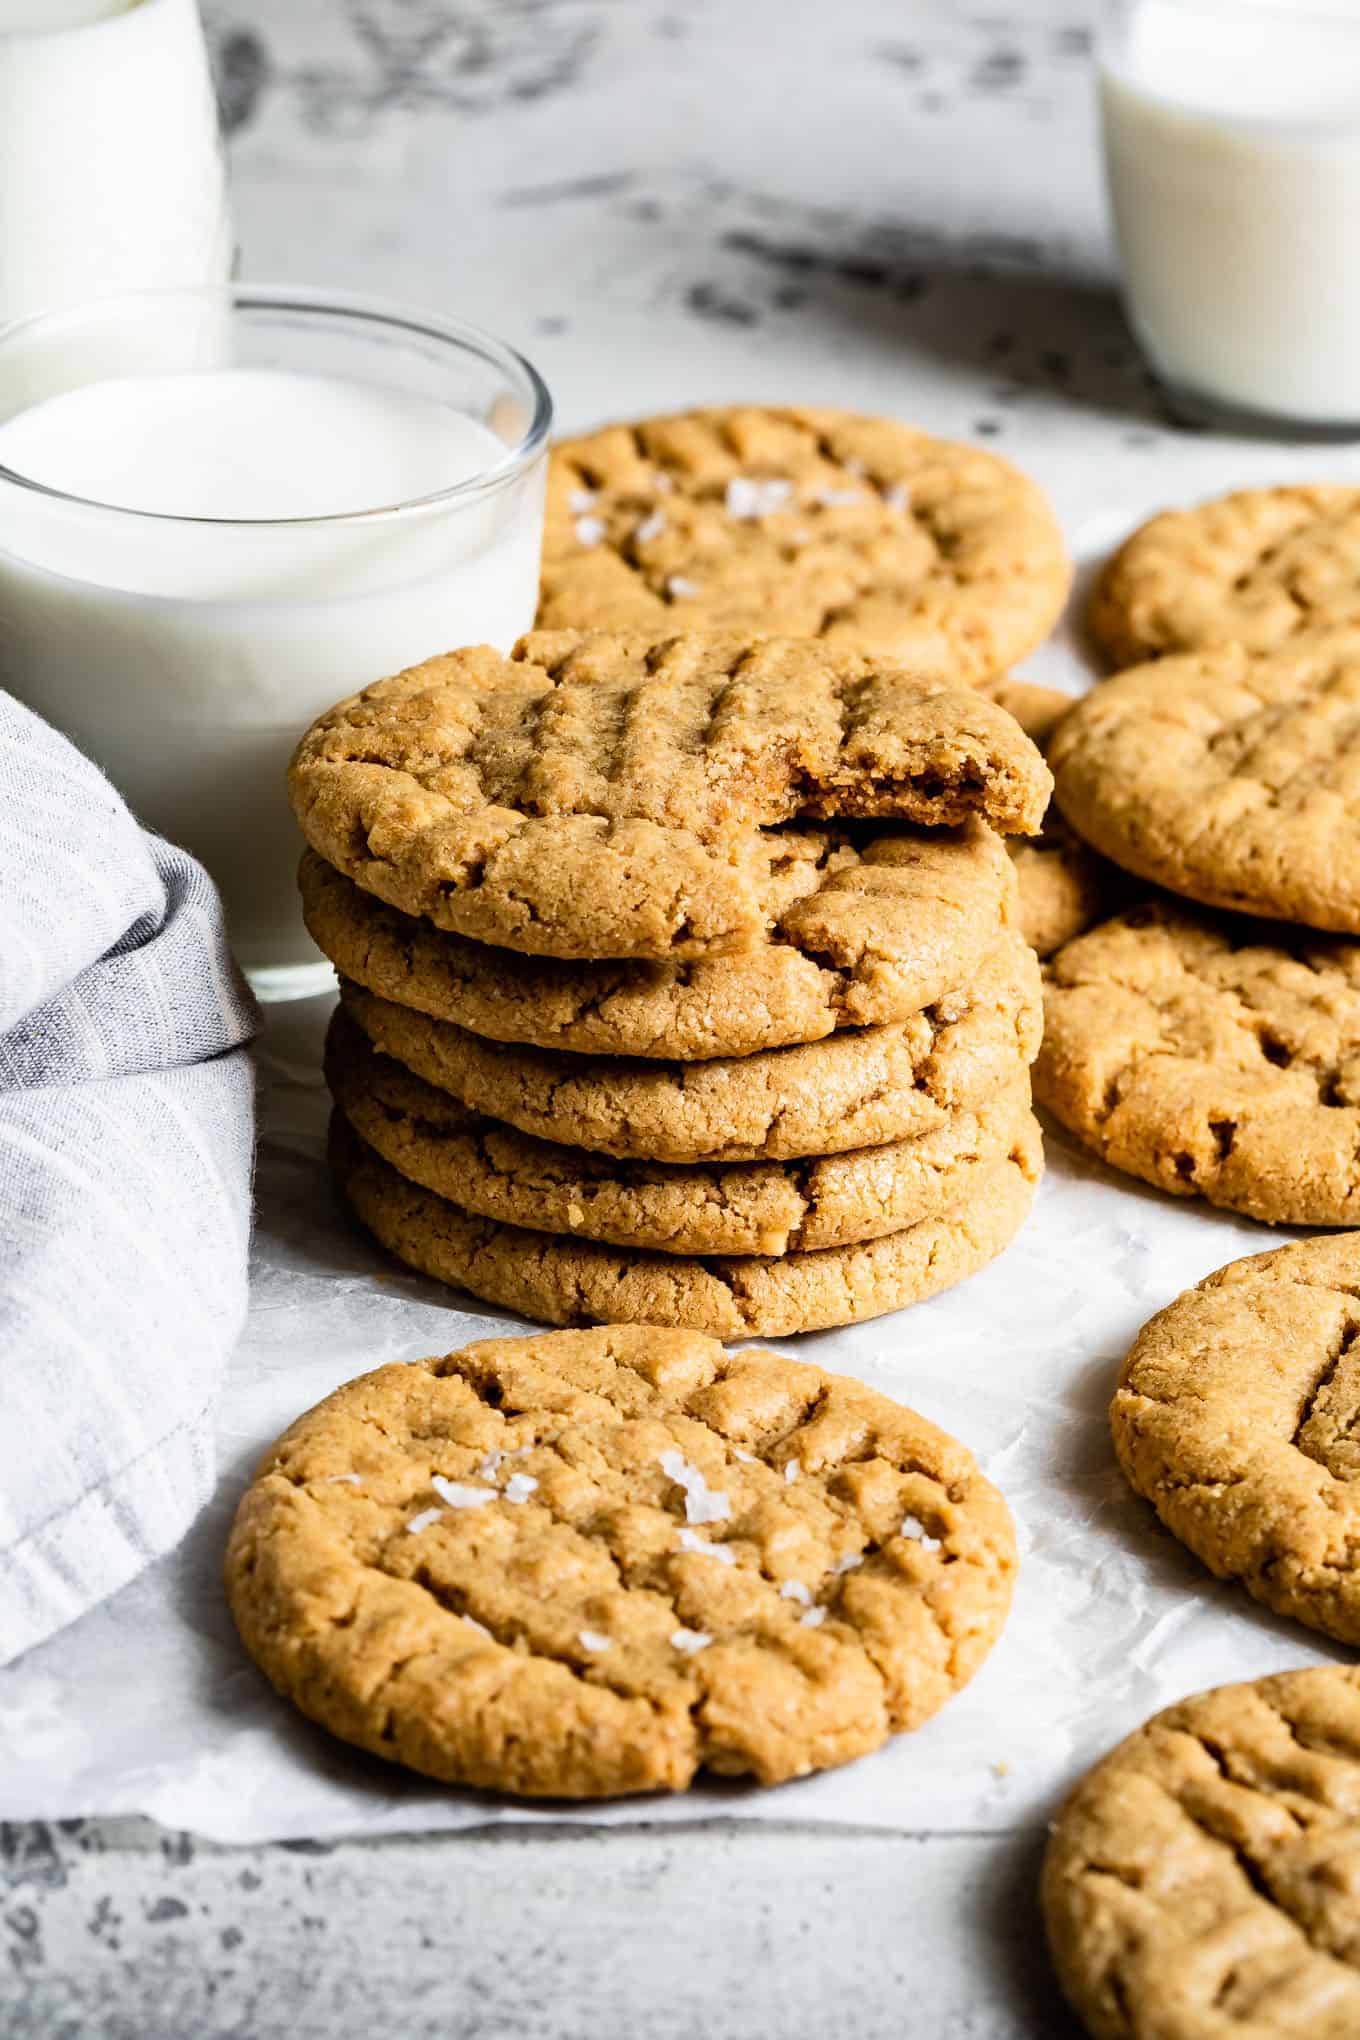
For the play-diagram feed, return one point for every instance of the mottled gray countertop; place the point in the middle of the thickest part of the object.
(889, 203)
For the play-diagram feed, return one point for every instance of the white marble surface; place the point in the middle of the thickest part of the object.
(885, 203)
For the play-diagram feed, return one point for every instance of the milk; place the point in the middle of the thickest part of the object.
(1232, 136)
(187, 657)
(112, 177)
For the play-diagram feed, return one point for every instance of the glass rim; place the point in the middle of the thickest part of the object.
(101, 21)
(453, 335)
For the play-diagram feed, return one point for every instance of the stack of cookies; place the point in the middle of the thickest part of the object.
(1213, 1054)
(680, 977)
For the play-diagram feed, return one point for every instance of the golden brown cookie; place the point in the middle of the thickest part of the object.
(1064, 886)
(1212, 1057)
(1232, 779)
(493, 1171)
(1037, 709)
(856, 936)
(856, 1089)
(592, 1563)
(1237, 1416)
(564, 1281)
(811, 523)
(1201, 1882)
(602, 796)
(1254, 569)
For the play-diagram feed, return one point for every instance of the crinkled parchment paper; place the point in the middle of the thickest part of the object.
(149, 1705)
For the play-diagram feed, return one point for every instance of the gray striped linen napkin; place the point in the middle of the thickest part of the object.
(126, 1134)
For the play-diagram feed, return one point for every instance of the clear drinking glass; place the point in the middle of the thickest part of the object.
(188, 653)
(1232, 148)
(112, 177)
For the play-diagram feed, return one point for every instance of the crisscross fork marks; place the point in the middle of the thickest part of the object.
(858, 528)
(618, 1658)
(1205, 1871)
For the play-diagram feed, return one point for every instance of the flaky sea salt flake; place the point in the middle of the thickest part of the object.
(591, 1639)
(589, 530)
(835, 499)
(703, 1504)
(680, 589)
(458, 1495)
(354, 1479)
(519, 1487)
(690, 1540)
(794, 1590)
(690, 1640)
(897, 496)
(581, 500)
(650, 528)
(812, 1618)
(912, 1526)
(489, 1465)
(793, 1469)
(747, 497)
(849, 1562)
(423, 1521)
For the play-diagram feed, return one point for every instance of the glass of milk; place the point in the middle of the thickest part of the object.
(222, 510)
(1232, 143)
(111, 171)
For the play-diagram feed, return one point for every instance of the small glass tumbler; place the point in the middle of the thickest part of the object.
(187, 654)
(1232, 150)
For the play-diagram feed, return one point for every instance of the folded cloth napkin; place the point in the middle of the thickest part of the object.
(126, 1128)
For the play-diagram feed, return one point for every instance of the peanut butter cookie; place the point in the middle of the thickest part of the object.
(592, 1563)
(1212, 1057)
(1237, 1416)
(496, 1172)
(811, 523)
(598, 796)
(1064, 885)
(1231, 778)
(565, 1281)
(1253, 569)
(856, 1089)
(856, 935)
(1200, 1883)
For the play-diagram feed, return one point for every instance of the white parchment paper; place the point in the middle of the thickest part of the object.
(149, 1705)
